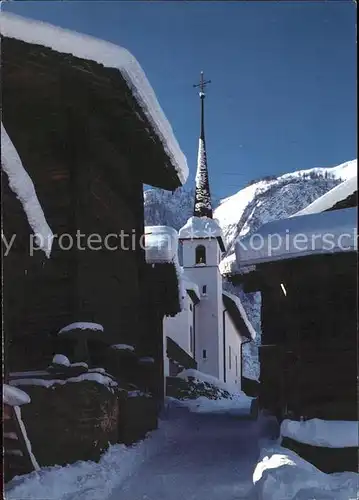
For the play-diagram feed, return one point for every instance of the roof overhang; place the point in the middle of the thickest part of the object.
(314, 234)
(238, 315)
(195, 298)
(114, 78)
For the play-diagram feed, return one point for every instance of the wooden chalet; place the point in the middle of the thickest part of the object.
(308, 356)
(84, 133)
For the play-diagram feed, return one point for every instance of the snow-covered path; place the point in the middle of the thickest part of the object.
(208, 457)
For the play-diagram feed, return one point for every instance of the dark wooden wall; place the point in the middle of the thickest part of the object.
(84, 181)
(309, 338)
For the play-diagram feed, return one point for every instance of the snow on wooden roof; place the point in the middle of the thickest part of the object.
(240, 314)
(161, 244)
(161, 247)
(190, 286)
(334, 196)
(110, 56)
(21, 184)
(326, 433)
(81, 325)
(319, 233)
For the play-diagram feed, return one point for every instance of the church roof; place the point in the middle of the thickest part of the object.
(200, 228)
(239, 317)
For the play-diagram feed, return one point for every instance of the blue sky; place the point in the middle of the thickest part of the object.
(283, 92)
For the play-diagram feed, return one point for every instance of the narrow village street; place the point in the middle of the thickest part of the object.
(179, 241)
(209, 457)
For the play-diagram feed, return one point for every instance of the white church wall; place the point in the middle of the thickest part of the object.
(179, 327)
(209, 354)
(232, 349)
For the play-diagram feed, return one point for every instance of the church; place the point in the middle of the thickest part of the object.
(209, 332)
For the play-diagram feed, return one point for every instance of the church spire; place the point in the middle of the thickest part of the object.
(202, 201)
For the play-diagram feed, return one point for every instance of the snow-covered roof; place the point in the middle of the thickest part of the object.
(161, 244)
(110, 56)
(334, 196)
(99, 378)
(21, 184)
(228, 265)
(188, 284)
(60, 359)
(321, 233)
(13, 396)
(238, 304)
(81, 325)
(201, 227)
(326, 433)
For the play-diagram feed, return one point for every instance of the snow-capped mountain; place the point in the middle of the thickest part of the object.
(243, 213)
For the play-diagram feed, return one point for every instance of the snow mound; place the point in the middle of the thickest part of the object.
(282, 475)
(81, 326)
(21, 184)
(88, 480)
(236, 405)
(232, 389)
(123, 347)
(110, 56)
(60, 359)
(13, 396)
(327, 433)
(82, 364)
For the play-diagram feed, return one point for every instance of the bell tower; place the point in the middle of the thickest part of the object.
(202, 246)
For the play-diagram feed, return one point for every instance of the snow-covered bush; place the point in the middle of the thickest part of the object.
(192, 388)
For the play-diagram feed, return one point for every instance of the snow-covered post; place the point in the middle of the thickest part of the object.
(81, 332)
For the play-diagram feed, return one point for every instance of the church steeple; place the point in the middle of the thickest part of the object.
(202, 201)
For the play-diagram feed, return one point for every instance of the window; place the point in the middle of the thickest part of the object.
(200, 254)
(236, 366)
(191, 338)
(190, 307)
(204, 354)
(204, 289)
(229, 357)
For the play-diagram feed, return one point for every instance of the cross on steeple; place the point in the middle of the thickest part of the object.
(202, 85)
(202, 202)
